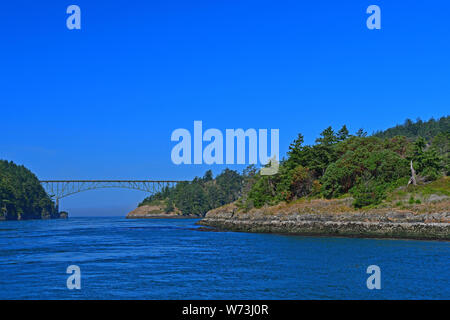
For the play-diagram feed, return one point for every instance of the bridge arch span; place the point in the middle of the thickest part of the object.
(59, 189)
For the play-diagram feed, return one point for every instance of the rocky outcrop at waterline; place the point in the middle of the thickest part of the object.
(63, 215)
(152, 212)
(44, 216)
(336, 218)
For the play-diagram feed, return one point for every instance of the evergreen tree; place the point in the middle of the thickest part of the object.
(343, 133)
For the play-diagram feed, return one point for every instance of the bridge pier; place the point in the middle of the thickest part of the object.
(57, 204)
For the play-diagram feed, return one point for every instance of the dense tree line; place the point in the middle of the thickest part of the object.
(338, 164)
(358, 165)
(413, 130)
(21, 194)
(202, 194)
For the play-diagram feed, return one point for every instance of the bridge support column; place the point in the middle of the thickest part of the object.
(57, 204)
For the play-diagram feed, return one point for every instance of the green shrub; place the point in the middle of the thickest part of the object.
(430, 174)
(385, 166)
(367, 193)
(301, 182)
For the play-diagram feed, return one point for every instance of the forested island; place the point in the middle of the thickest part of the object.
(386, 184)
(21, 195)
(195, 198)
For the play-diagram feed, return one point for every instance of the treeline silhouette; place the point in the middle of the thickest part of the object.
(413, 130)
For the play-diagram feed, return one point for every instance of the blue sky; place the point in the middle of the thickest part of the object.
(102, 102)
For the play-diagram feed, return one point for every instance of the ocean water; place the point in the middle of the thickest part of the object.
(171, 259)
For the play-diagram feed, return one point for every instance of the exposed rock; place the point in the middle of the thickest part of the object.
(435, 197)
(392, 223)
(64, 215)
(153, 211)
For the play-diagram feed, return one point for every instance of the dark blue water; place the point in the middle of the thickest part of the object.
(169, 259)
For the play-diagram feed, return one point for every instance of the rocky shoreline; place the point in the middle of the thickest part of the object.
(388, 223)
(44, 216)
(155, 212)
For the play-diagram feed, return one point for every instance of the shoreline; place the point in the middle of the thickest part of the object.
(333, 219)
(163, 217)
(33, 219)
(156, 212)
(354, 229)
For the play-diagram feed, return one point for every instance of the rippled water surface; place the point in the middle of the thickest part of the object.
(170, 259)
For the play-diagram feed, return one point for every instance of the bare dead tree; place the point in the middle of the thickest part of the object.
(413, 176)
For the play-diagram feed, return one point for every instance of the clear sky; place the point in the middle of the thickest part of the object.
(102, 102)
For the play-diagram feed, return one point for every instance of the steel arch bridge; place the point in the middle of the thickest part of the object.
(59, 189)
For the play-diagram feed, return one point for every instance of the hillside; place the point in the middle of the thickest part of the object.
(192, 199)
(339, 165)
(21, 195)
(352, 185)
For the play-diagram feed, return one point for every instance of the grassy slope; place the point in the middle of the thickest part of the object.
(433, 197)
